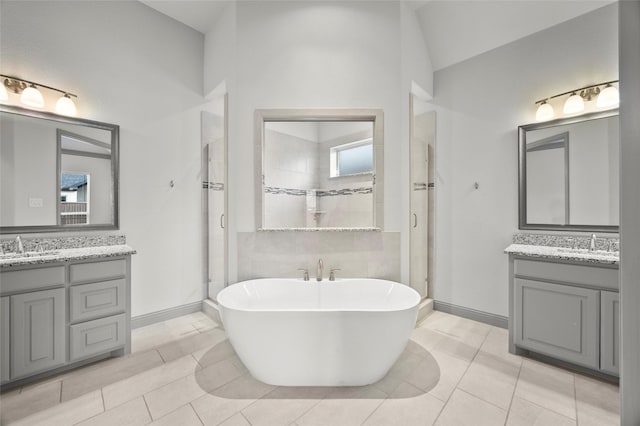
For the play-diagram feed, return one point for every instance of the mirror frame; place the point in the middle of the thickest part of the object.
(376, 116)
(522, 175)
(115, 169)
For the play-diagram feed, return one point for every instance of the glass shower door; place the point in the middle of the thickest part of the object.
(214, 151)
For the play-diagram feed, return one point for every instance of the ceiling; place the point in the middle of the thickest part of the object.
(454, 30)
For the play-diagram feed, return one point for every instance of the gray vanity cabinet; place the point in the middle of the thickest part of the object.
(37, 331)
(64, 313)
(558, 320)
(565, 310)
(4, 339)
(610, 332)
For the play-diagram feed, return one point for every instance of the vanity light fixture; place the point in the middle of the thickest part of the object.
(607, 97)
(31, 96)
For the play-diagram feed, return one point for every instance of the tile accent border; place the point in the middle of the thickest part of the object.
(472, 314)
(165, 314)
(318, 192)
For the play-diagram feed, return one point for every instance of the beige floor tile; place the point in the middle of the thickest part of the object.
(142, 383)
(108, 372)
(404, 367)
(438, 378)
(548, 386)
(283, 405)
(216, 375)
(171, 396)
(457, 327)
(66, 414)
(151, 336)
(525, 413)
(212, 355)
(37, 398)
(222, 403)
(344, 407)
(183, 416)
(236, 420)
(497, 343)
(598, 403)
(408, 405)
(492, 379)
(425, 338)
(131, 413)
(205, 324)
(191, 343)
(464, 409)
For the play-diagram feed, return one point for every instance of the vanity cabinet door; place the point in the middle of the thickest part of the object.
(37, 331)
(4, 340)
(558, 320)
(610, 332)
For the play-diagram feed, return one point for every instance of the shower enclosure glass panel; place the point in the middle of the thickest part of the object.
(422, 198)
(214, 154)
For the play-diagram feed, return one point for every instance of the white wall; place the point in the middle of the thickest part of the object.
(285, 56)
(135, 67)
(480, 102)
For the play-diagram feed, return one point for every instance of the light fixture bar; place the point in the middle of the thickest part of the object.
(37, 84)
(576, 90)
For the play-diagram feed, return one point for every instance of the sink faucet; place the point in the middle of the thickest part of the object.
(319, 272)
(592, 243)
(19, 245)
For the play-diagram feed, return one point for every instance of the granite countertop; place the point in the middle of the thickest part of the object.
(564, 253)
(61, 255)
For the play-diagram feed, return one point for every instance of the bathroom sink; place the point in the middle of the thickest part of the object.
(28, 254)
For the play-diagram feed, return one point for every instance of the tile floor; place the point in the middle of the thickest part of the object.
(183, 372)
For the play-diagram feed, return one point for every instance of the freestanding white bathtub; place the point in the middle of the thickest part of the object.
(291, 332)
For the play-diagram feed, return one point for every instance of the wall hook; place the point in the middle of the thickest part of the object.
(171, 184)
(476, 185)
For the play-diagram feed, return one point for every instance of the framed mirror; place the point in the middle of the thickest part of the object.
(319, 169)
(57, 173)
(569, 173)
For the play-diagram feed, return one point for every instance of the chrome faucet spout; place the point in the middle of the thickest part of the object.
(319, 271)
(19, 245)
(592, 243)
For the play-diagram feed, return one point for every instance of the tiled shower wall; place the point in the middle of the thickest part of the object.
(292, 163)
(356, 253)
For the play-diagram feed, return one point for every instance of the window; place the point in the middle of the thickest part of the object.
(352, 158)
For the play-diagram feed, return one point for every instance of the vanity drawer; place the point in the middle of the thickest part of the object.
(32, 279)
(93, 271)
(90, 301)
(593, 276)
(96, 337)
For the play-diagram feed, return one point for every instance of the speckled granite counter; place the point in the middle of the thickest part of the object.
(563, 253)
(62, 255)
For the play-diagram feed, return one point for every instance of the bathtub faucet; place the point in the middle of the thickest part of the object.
(319, 272)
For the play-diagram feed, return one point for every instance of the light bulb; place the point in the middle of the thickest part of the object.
(32, 97)
(65, 105)
(544, 112)
(608, 97)
(574, 104)
(3, 92)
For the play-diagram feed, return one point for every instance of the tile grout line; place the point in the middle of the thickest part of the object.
(513, 395)
(243, 416)
(458, 382)
(375, 409)
(575, 398)
(548, 409)
(148, 410)
(196, 412)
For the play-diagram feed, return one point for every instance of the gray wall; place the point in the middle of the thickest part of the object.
(132, 66)
(480, 102)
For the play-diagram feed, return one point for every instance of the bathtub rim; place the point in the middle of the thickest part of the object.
(409, 307)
